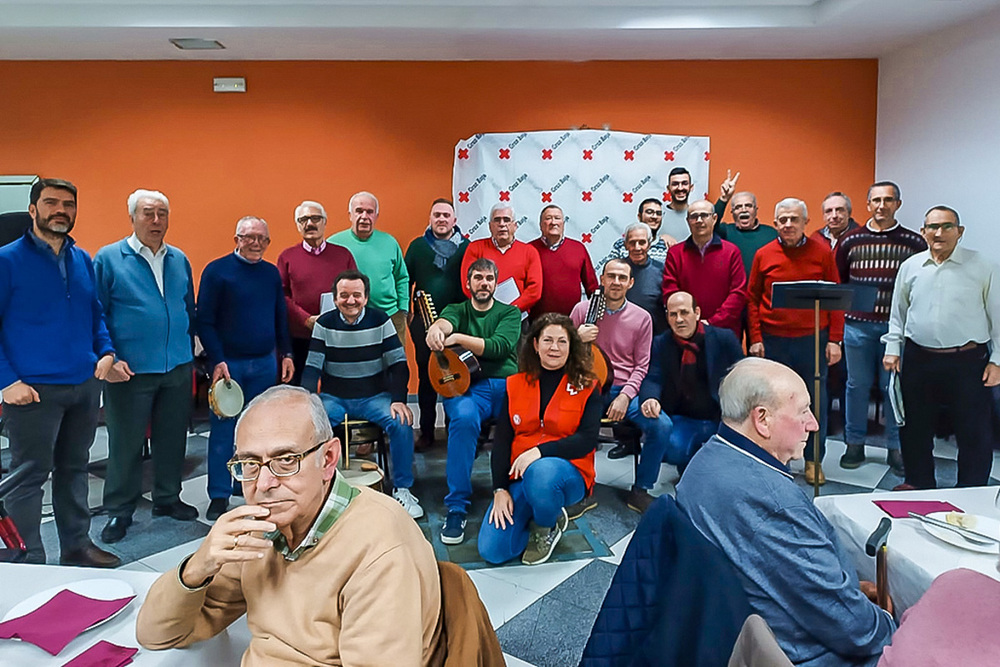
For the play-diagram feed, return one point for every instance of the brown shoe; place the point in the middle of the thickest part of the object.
(424, 442)
(811, 471)
(90, 556)
(639, 500)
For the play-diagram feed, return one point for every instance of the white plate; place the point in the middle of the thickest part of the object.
(97, 589)
(984, 525)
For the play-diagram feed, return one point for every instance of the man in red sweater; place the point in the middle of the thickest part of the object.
(786, 335)
(307, 271)
(566, 266)
(517, 262)
(709, 269)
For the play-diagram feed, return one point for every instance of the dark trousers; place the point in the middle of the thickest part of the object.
(931, 380)
(161, 402)
(56, 433)
(426, 396)
(300, 351)
(799, 354)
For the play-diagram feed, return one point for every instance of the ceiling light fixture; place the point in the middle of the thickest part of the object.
(196, 44)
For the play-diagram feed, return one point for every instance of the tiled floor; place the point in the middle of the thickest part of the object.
(542, 614)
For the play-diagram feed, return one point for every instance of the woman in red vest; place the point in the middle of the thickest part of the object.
(543, 447)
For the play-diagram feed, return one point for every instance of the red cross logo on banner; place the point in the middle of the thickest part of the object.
(586, 195)
(705, 196)
(463, 153)
(463, 197)
(504, 153)
(666, 197)
(629, 156)
(546, 197)
(706, 156)
(585, 238)
(504, 195)
(546, 153)
(588, 155)
(626, 197)
(668, 156)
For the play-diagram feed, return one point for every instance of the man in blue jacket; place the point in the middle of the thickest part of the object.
(686, 366)
(147, 291)
(54, 352)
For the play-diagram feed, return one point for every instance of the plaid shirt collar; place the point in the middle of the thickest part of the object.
(340, 496)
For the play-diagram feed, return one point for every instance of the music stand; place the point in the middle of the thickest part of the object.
(820, 295)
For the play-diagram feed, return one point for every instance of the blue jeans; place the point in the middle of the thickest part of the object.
(376, 410)
(686, 438)
(656, 439)
(798, 353)
(254, 377)
(864, 352)
(466, 414)
(549, 484)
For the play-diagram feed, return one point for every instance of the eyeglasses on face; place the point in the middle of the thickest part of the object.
(699, 215)
(254, 238)
(943, 226)
(315, 219)
(652, 212)
(286, 465)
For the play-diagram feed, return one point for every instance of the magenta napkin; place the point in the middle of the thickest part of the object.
(59, 621)
(900, 509)
(103, 654)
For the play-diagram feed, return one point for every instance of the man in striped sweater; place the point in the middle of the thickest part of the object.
(359, 366)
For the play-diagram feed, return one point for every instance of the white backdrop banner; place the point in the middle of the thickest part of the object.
(597, 177)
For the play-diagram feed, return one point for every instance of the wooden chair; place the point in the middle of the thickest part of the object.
(356, 432)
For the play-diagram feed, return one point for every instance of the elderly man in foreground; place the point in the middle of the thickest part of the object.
(327, 574)
(739, 493)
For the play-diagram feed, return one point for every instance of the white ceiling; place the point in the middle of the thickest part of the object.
(469, 30)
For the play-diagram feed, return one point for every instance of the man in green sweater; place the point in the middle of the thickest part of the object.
(745, 231)
(490, 330)
(379, 257)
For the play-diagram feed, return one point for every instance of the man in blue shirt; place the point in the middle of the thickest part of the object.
(243, 324)
(147, 292)
(54, 353)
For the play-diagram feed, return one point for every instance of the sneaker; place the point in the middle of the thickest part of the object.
(409, 502)
(543, 540)
(853, 457)
(639, 500)
(454, 528)
(894, 458)
(812, 471)
(576, 510)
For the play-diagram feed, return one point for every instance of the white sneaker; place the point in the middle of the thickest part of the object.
(409, 502)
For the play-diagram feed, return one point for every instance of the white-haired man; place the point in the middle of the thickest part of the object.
(327, 574)
(243, 324)
(307, 272)
(379, 257)
(147, 291)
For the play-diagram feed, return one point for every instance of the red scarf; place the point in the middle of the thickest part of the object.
(690, 347)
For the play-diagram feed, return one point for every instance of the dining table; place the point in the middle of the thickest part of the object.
(19, 582)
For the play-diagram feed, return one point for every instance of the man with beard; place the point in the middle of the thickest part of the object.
(54, 352)
(566, 266)
(434, 263)
(307, 270)
(490, 330)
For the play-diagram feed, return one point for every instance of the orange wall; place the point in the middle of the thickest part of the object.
(323, 130)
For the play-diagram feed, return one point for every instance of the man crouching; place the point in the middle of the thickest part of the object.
(326, 573)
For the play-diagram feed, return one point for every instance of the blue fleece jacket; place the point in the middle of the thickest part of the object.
(152, 332)
(51, 330)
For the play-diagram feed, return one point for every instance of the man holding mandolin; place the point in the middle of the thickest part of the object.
(490, 330)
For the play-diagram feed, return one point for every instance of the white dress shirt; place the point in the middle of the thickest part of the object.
(947, 304)
(155, 260)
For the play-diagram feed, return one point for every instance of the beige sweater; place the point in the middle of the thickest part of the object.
(368, 594)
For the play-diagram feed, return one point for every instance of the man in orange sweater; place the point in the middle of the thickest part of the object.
(786, 335)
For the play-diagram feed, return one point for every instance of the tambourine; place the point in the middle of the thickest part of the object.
(225, 398)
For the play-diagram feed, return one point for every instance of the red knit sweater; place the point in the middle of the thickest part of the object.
(564, 270)
(305, 277)
(520, 262)
(716, 280)
(776, 263)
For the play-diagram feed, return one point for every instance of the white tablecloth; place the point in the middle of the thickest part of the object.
(19, 582)
(915, 558)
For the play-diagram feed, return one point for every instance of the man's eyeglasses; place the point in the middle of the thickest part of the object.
(652, 212)
(286, 465)
(943, 226)
(699, 216)
(254, 238)
(315, 219)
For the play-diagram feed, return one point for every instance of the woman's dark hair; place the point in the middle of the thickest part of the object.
(578, 364)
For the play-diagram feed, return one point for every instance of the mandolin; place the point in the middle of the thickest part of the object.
(452, 368)
(601, 364)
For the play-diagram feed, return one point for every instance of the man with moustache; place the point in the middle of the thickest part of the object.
(746, 232)
(647, 275)
(147, 291)
(379, 257)
(307, 270)
(434, 264)
(837, 216)
(566, 266)
(708, 268)
(516, 261)
(54, 352)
